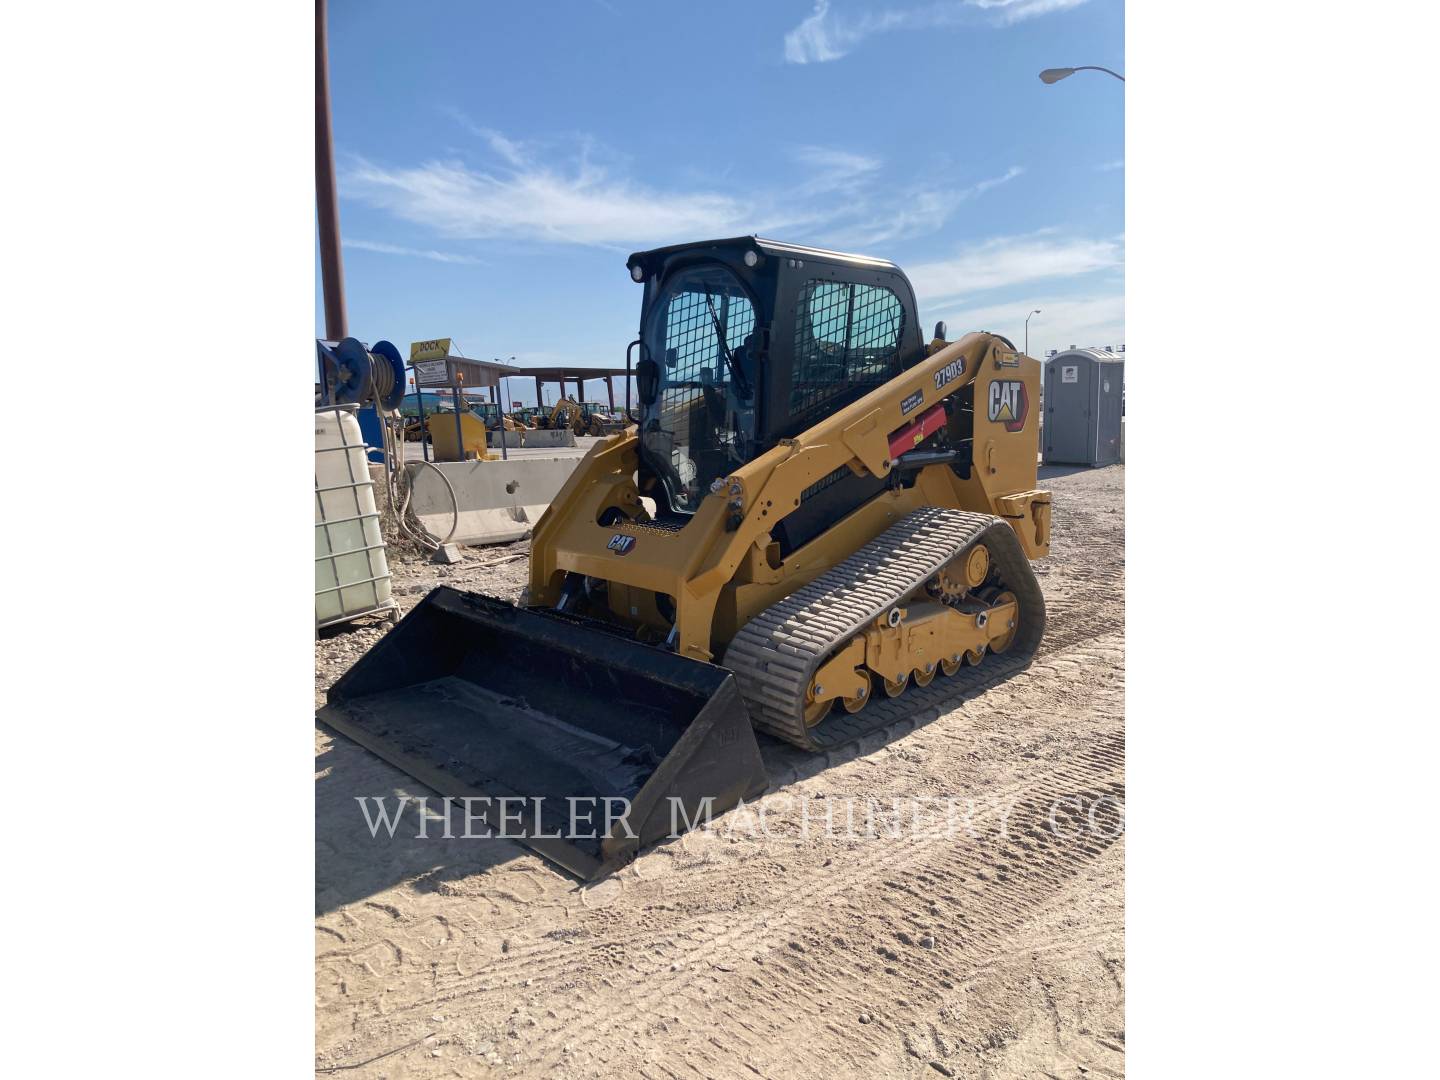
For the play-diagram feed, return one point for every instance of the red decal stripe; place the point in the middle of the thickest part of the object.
(913, 434)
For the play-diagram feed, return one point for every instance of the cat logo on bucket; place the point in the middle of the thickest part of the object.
(621, 544)
(1008, 403)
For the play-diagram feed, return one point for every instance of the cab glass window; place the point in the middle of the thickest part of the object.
(847, 342)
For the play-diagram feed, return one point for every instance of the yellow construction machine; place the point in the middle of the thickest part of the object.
(521, 419)
(818, 525)
(562, 414)
(598, 419)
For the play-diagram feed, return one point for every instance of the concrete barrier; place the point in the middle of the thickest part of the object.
(499, 501)
(512, 439)
(547, 437)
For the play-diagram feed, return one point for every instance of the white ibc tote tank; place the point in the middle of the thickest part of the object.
(352, 576)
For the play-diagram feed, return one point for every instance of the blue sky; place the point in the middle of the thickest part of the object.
(498, 162)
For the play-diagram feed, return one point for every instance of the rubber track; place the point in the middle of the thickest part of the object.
(775, 656)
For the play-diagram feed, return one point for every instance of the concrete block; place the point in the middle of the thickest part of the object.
(498, 501)
(447, 554)
(544, 437)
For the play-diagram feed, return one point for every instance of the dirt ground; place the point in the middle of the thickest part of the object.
(993, 947)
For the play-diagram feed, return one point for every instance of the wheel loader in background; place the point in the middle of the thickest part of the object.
(598, 420)
(814, 516)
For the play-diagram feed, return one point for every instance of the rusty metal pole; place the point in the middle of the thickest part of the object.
(327, 204)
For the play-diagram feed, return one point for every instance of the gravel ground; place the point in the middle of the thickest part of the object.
(996, 950)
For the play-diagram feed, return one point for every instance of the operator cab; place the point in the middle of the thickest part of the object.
(747, 341)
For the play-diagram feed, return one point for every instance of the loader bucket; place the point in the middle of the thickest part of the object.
(580, 744)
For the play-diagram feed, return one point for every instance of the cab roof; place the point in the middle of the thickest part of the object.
(776, 248)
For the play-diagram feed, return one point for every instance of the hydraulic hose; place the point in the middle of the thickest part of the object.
(395, 466)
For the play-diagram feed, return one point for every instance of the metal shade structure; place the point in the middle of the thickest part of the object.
(574, 374)
(460, 372)
(434, 367)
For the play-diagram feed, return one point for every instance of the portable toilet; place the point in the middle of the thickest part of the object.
(1084, 408)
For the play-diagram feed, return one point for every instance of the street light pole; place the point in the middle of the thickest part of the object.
(504, 398)
(1054, 75)
(1027, 330)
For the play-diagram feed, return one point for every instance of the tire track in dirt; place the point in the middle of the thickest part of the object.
(552, 958)
(995, 885)
(717, 941)
(815, 982)
(548, 959)
(755, 958)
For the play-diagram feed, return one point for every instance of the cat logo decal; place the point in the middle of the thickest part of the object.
(1009, 403)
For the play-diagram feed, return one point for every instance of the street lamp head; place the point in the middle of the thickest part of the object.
(1054, 75)
(1035, 312)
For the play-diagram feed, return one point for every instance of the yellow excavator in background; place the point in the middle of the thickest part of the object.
(562, 414)
(820, 526)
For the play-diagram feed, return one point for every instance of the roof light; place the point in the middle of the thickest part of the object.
(637, 272)
(752, 258)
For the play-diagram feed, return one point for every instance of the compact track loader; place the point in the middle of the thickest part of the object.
(814, 516)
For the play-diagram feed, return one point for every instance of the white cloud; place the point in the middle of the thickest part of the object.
(1008, 12)
(826, 35)
(507, 148)
(841, 162)
(1092, 319)
(829, 171)
(1013, 260)
(417, 253)
(821, 36)
(581, 206)
(1111, 166)
(920, 211)
(525, 192)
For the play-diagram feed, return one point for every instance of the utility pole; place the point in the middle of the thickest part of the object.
(327, 204)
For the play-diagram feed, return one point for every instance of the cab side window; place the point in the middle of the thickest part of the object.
(847, 342)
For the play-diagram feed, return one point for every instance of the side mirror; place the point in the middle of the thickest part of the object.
(940, 332)
(647, 381)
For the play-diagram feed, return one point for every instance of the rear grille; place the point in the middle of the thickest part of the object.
(661, 525)
(824, 482)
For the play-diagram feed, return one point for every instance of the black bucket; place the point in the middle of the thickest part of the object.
(580, 744)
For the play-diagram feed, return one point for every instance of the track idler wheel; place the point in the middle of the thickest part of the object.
(1000, 644)
(860, 700)
(815, 711)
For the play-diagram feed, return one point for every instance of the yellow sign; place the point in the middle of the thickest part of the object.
(437, 349)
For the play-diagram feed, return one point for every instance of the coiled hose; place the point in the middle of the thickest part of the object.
(395, 468)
